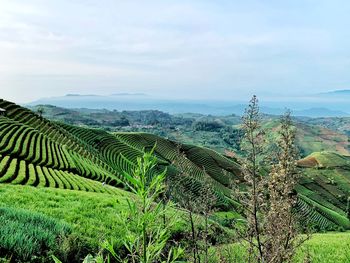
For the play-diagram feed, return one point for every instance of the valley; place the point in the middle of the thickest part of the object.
(56, 155)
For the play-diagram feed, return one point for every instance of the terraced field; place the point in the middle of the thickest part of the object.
(40, 153)
(202, 165)
(326, 185)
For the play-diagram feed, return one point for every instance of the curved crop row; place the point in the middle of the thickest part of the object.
(107, 144)
(314, 215)
(24, 142)
(51, 130)
(14, 171)
(21, 141)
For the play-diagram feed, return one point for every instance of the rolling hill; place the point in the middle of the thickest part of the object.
(37, 152)
(312, 137)
(220, 133)
(40, 153)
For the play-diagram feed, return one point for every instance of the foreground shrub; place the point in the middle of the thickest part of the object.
(149, 219)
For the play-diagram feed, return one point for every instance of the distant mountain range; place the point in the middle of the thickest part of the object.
(114, 94)
(329, 104)
(320, 112)
(336, 93)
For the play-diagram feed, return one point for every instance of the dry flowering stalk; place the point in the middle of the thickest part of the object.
(268, 201)
(281, 227)
(253, 200)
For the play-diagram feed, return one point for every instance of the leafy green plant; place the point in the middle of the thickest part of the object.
(146, 235)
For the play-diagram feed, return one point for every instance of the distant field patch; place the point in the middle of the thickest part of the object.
(308, 162)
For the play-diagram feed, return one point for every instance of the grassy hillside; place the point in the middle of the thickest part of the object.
(92, 219)
(41, 153)
(321, 248)
(202, 165)
(36, 152)
(326, 182)
(338, 124)
(312, 138)
(91, 215)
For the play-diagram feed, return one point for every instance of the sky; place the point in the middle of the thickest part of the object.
(178, 49)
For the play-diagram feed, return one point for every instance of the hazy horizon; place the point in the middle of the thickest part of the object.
(195, 50)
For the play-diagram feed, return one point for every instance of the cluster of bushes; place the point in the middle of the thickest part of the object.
(208, 125)
(232, 137)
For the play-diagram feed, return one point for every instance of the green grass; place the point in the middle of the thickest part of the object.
(326, 248)
(25, 235)
(91, 215)
(321, 248)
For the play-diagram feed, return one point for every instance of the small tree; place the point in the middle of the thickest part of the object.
(41, 111)
(198, 200)
(145, 236)
(199, 208)
(189, 202)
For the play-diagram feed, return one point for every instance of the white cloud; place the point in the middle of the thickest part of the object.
(163, 46)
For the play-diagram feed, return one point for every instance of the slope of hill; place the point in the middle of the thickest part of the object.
(38, 152)
(202, 165)
(310, 137)
(326, 181)
(326, 160)
(221, 133)
(315, 138)
(41, 153)
(340, 125)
